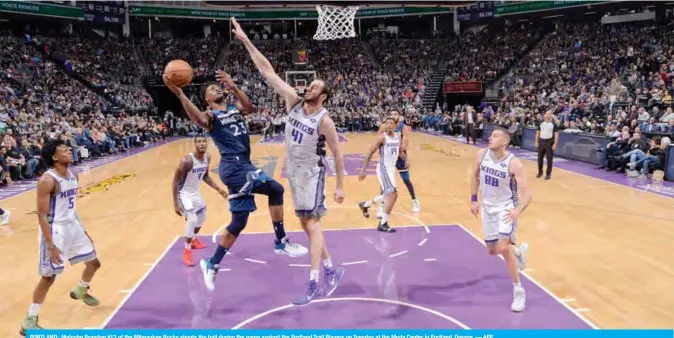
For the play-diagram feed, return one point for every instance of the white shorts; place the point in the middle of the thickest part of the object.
(386, 178)
(495, 224)
(71, 239)
(192, 203)
(307, 188)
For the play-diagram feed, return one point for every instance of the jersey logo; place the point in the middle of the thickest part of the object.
(503, 165)
(313, 121)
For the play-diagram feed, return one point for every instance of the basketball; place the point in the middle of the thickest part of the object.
(179, 72)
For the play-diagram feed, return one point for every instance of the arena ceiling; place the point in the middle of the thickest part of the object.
(300, 4)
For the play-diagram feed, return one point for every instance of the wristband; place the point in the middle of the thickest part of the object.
(473, 198)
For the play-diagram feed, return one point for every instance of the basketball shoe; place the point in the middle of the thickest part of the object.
(210, 271)
(289, 248)
(29, 323)
(82, 293)
(332, 277)
(519, 299)
(416, 206)
(313, 292)
(197, 244)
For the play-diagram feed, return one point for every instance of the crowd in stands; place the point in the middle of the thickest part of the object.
(612, 80)
(200, 52)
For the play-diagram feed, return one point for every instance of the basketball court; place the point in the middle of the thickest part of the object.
(599, 252)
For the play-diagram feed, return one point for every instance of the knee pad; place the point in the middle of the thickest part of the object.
(201, 217)
(405, 175)
(192, 221)
(238, 223)
(276, 192)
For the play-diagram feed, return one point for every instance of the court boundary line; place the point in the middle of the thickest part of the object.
(138, 283)
(437, 313)
(100, 166)
(535, 282)
(427, 226)
(562, 169)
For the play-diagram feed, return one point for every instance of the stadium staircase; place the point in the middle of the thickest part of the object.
(434, 87)
(492, 93)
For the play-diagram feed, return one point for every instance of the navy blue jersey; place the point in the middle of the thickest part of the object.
(229, 132)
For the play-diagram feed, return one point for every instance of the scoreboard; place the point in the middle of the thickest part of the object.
(104, 11)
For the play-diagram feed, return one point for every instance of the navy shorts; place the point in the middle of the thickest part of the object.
(242, 179)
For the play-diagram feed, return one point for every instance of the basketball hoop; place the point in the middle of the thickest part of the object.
(300, 89)
(335, 22)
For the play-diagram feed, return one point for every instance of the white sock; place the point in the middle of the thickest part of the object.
(517, 251)
(517, 285)
(313, 275)
(34, 309)
(188, 245)
(327, 263)
(384, 218)
(84, 284)
(378, 199)
(367, 204)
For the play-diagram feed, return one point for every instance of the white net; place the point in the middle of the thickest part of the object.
(335, 22)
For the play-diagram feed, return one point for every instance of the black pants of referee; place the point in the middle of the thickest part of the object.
(545, 150)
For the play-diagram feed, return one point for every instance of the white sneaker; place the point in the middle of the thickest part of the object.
(292, 249)
(209, 272)
(380, 211)
(632, 165)
(416, 206)
(522, 258)
(4, 219)
(519, 299)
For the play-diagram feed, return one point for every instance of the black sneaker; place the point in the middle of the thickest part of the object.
(364, 209)
(539, 175)
(385, 228)
(547, 177)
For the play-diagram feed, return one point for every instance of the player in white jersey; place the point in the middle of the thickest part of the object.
(187, 200)
(499, 175)
(388, 145)
(308, 130)
(61, 235)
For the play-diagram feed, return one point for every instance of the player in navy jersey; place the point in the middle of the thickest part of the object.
(402, 164)
(227, 127)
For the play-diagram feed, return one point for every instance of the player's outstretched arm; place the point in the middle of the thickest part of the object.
(243, 103)
(212, 184)
(475, 182)
(517, 170)
(45, 187)
(287, 92)
(183, 168)
(328, 129)
(202, 119)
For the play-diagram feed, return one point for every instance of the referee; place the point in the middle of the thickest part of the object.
(547, 136)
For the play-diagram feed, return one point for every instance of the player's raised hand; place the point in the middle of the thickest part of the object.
(224, 78)
(339, 196)
(175, 89)
(238, 32)
(474, 208)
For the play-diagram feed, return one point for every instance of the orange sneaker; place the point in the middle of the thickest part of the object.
(187, 257)
(196, 244)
